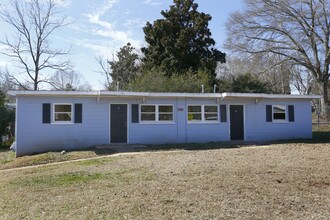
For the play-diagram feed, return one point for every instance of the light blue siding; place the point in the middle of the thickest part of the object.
(258, 129)
(32, 136)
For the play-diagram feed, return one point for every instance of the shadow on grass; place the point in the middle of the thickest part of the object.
(318, 137)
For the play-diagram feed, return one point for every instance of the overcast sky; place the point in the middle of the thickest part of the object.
(101, 27)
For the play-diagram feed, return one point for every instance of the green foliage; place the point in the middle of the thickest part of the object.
(181, 41)
(157, 81)
(2, 99)
(245, 83)
(125, 68)
(6, 116)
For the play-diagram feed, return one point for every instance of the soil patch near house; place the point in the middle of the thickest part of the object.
(278, 181)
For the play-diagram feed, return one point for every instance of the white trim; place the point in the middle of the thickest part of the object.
(244, 118)
(156, 121)
(269, 96)
(203, 121)
(127, 121)
(16, 127)
(62, 122)
(286, 120)
(158, 95)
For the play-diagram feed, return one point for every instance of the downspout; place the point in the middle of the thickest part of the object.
(98, 96)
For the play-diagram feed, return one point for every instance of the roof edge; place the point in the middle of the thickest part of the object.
(157, 95)
(269, 96)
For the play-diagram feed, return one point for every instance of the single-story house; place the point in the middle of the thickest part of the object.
(68, 120)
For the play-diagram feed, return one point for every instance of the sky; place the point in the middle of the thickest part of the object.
(101, 27)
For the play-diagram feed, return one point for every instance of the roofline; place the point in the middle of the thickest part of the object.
(111, 94)
(269, 96)
(19, 93)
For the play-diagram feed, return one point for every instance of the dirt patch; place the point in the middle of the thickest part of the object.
(280, 181)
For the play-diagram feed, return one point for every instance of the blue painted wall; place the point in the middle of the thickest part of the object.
(32, 136)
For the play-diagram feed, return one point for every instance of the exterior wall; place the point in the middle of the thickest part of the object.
(257, 129)
(32, 136)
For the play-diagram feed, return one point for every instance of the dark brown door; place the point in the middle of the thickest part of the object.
(236, 122)
(118, 123)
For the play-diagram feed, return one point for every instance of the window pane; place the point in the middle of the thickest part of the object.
(279, 109)
(148, 108)
(211, 117)
(148, 117)
(211, 109)
(195, 108)
(165, 117)
(62, 116)
(279, 116)
(194, 117)
(279, 112)
(62, 108)
(165, 108)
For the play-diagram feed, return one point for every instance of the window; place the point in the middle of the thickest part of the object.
(165, 113)
(279, 112)
(195, 113)
(156, 113)
(211, 113)
(148, 113)
(62, 113)
(202, 113)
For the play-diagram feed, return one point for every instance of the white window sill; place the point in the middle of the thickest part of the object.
(63, 123)
(280, 121)
(157, 122)
(203, 122)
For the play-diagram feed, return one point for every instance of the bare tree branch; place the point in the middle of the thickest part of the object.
(297, 30)
(34, 22)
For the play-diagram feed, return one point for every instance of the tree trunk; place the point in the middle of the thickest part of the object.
(325, 104)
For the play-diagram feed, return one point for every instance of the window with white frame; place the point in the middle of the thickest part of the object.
(202, 113)
(156, 113)
(211, 113)
(279, 112)
(62, 113)
(165, 113)
(194, 113)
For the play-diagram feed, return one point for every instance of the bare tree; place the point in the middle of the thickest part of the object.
(69, 80)
(268, 68)
(297, 30)
(34, 22)
(303, 81)
(9, 82)
(105, 70)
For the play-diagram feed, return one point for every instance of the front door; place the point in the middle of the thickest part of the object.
(236, 122)
(118, 123)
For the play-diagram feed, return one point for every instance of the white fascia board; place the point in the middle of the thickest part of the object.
(160, 95)
(112, 94)
(157, 95)
(269, 96)
(51, 93)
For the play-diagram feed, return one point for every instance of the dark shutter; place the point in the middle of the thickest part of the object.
(269, 114)
(135, 113)
(291, 113)
(78, 113)
(223, 113)
(46, 113)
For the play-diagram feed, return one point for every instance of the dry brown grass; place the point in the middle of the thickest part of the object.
(280, 181)
(8, 159)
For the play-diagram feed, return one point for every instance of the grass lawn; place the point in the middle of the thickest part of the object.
(8, 160)
(277, 181)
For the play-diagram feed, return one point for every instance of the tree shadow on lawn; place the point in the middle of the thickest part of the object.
(318, 137)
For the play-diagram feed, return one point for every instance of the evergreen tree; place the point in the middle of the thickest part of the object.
(125, 68)
(181, 41)
(245, 83)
